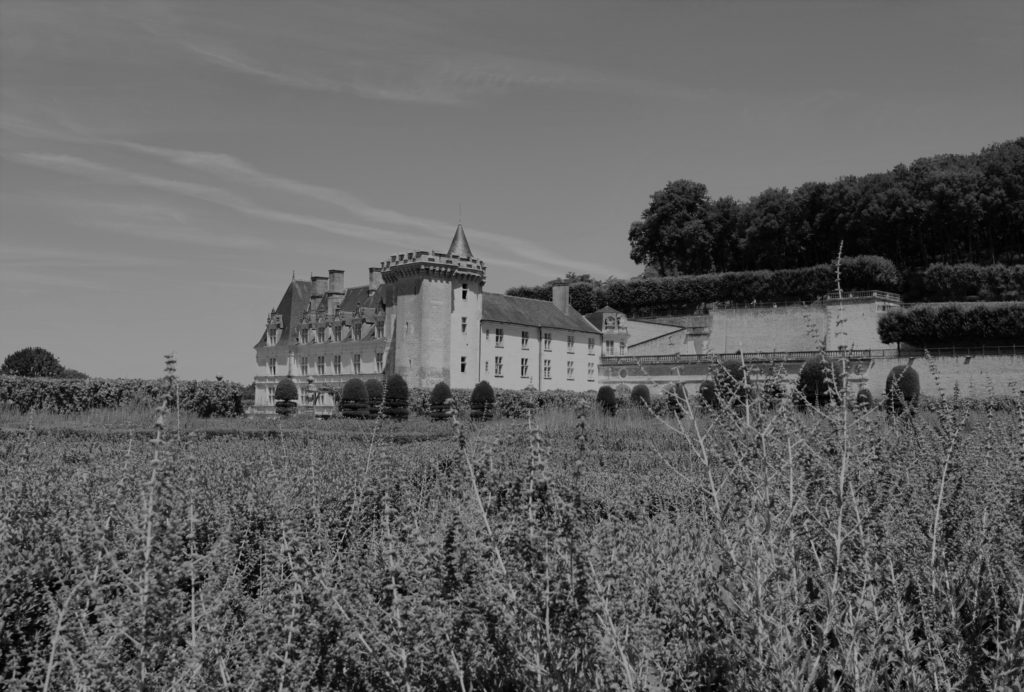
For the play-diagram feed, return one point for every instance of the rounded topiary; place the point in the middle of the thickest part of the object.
(285, 408)
(286, 390)
(640, 396)
(864, 398)
(396, 399)
(820, 381)
(374, 397)
(481, 401)
(354, 399)
(442, 406)
(709, 393)
(606, 400)
(902, 389)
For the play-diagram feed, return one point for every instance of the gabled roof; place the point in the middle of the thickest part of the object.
(531, 312)
(293, 302)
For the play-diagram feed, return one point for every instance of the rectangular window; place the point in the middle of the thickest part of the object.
(524, 367)
(271, 333)
(320, 365)
(547, 368)
(547, 341)
(487, 366)
(465, 324)
(570, 343)
(526, 339)
(337, 365)
(609, 347)
(590, 345)
(590, 371)
(622, 348)
(272, 366)
(378, 330)
(499, 338)
(302, 336)
(570, 370)
(497, 366)
(356, 363)
(465, 291)
(320, 335)
(311, 338)
(379, 362)
(462, 364)
(304, 365)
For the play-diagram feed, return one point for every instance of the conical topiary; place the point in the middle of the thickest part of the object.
(820, 381)
(374, 397)
(285, 395)
(354, 399)
(606, 400)
(442, 406)
(640, 396)
(902, 389)
(396, 398)
(481, 401)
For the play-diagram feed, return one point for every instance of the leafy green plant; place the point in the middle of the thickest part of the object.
(374, 396)
(640, 396)
(441, 403)
(820, 382)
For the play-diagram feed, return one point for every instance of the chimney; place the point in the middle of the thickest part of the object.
(375, 278)
(560, 296)
(319, 285)
(336, 284)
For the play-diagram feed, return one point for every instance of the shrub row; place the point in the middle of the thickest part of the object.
(954, 323)
(51, 395)
(973, 282)
(639, 296)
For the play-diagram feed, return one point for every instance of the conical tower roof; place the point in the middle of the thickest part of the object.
(460, 246)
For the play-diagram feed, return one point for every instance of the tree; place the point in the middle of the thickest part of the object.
(662, 236)
(32, 362)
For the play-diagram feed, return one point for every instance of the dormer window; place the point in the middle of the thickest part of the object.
(320, 335)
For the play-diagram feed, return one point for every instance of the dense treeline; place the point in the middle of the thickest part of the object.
(947, 208)
(954, 324)
(671, 293)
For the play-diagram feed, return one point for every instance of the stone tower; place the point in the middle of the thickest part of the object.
(434, 306)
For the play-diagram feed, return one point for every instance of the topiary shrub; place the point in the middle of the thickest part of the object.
(481, 401)
(374, 397)
(606, 400)
(902, 389)
(285, 395)
(709, 394)
(820, 382)
(396, 400)
(442, 406)
(354, 399)
(864, 398)
(640, 396)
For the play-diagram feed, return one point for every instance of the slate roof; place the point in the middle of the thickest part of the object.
(460, 246)
(532, 312)
(293, 302)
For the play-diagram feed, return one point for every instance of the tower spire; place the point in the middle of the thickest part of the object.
(460, 246)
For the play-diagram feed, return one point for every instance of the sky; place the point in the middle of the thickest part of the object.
(165, 166)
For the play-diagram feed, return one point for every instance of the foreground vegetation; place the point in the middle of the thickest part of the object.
(748, 548)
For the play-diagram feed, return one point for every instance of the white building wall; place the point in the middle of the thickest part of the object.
(512, 352)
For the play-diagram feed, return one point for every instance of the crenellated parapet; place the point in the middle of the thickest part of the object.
(434, 264)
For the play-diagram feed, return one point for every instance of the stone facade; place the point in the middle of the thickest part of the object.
(425, 316)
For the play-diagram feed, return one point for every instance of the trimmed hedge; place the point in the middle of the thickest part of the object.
(954, 324)
(205, 398)
(820, 381)
(966, 281)
(639, 296)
